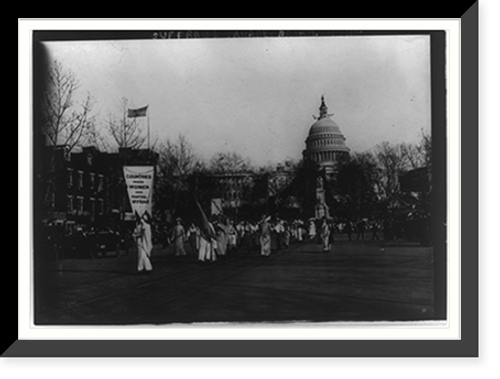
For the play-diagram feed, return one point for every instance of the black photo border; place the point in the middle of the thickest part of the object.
(466, 346)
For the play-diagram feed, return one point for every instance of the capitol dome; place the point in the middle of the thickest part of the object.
(324, 125)
(325, 143)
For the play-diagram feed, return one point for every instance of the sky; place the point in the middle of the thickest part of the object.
(257, 96)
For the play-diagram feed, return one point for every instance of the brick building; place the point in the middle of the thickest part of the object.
(87, 188)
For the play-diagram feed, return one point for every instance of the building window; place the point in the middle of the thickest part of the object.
(52, 201)
(66, 154)
(92, 180)
(92, 206)
(69, 177)
(79, 204)
(80, 179)
(100, 208)
(100, 183)
(69, 204)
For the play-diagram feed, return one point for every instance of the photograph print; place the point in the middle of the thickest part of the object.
(238, 177)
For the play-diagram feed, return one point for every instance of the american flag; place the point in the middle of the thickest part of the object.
(139, 112)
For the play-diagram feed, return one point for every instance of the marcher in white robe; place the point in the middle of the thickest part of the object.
(300, 233)
(178, 238)
(194, 238)
(265, 238)
(222, 238)
(286, 235)
(312, 230)
(240, 234)
(325, 236)
(232, 236)
(142, 234)
(208, 243)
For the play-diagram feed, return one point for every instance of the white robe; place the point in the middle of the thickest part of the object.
(206, 252)
(265, 239)
(144, 246)
(300, 233)
(325, 237)
(312, 230)
(207, 247)
(222, 239)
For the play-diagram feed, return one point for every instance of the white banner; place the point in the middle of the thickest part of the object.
(139, 181)
(216, 207)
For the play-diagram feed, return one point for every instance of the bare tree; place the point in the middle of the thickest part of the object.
(176, 162)
(98, 139)
(413, 155)
(392, 163)
(126, 132)
(65, 121)
(357, 186)
(426, 148)
(416, 155)
(177, 158)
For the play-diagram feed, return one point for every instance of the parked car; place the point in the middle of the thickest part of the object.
(125, 243)
(107, 242)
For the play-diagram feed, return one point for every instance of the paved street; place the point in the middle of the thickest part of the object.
(356, 281)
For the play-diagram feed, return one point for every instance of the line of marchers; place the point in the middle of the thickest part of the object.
(80, 188)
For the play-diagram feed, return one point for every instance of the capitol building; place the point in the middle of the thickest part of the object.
(325, 143)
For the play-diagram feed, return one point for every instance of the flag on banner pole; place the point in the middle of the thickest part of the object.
(205, 226)
(138, 112)
(216, 207)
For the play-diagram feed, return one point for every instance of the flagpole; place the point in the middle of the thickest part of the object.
(148, 126)
(124, 144)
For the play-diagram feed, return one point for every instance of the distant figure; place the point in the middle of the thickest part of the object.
(221, 231)
(247, 237)
(286, 235)
(375, 230)
(386, 225)
(318, 223)
(178, 238)
(194, 237)
(332, 234)
(232, 236)
(277, 231)
(348, 230)
(360, 226)
(325, 235)
(312, 230)
(265, 237)
(165, 236)
(142, 236)
(240, 234)
(300, 232)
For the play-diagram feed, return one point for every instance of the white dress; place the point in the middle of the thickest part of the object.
(206, 252)
(144, 246)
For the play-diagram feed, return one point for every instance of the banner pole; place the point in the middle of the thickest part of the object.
(124, 143)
